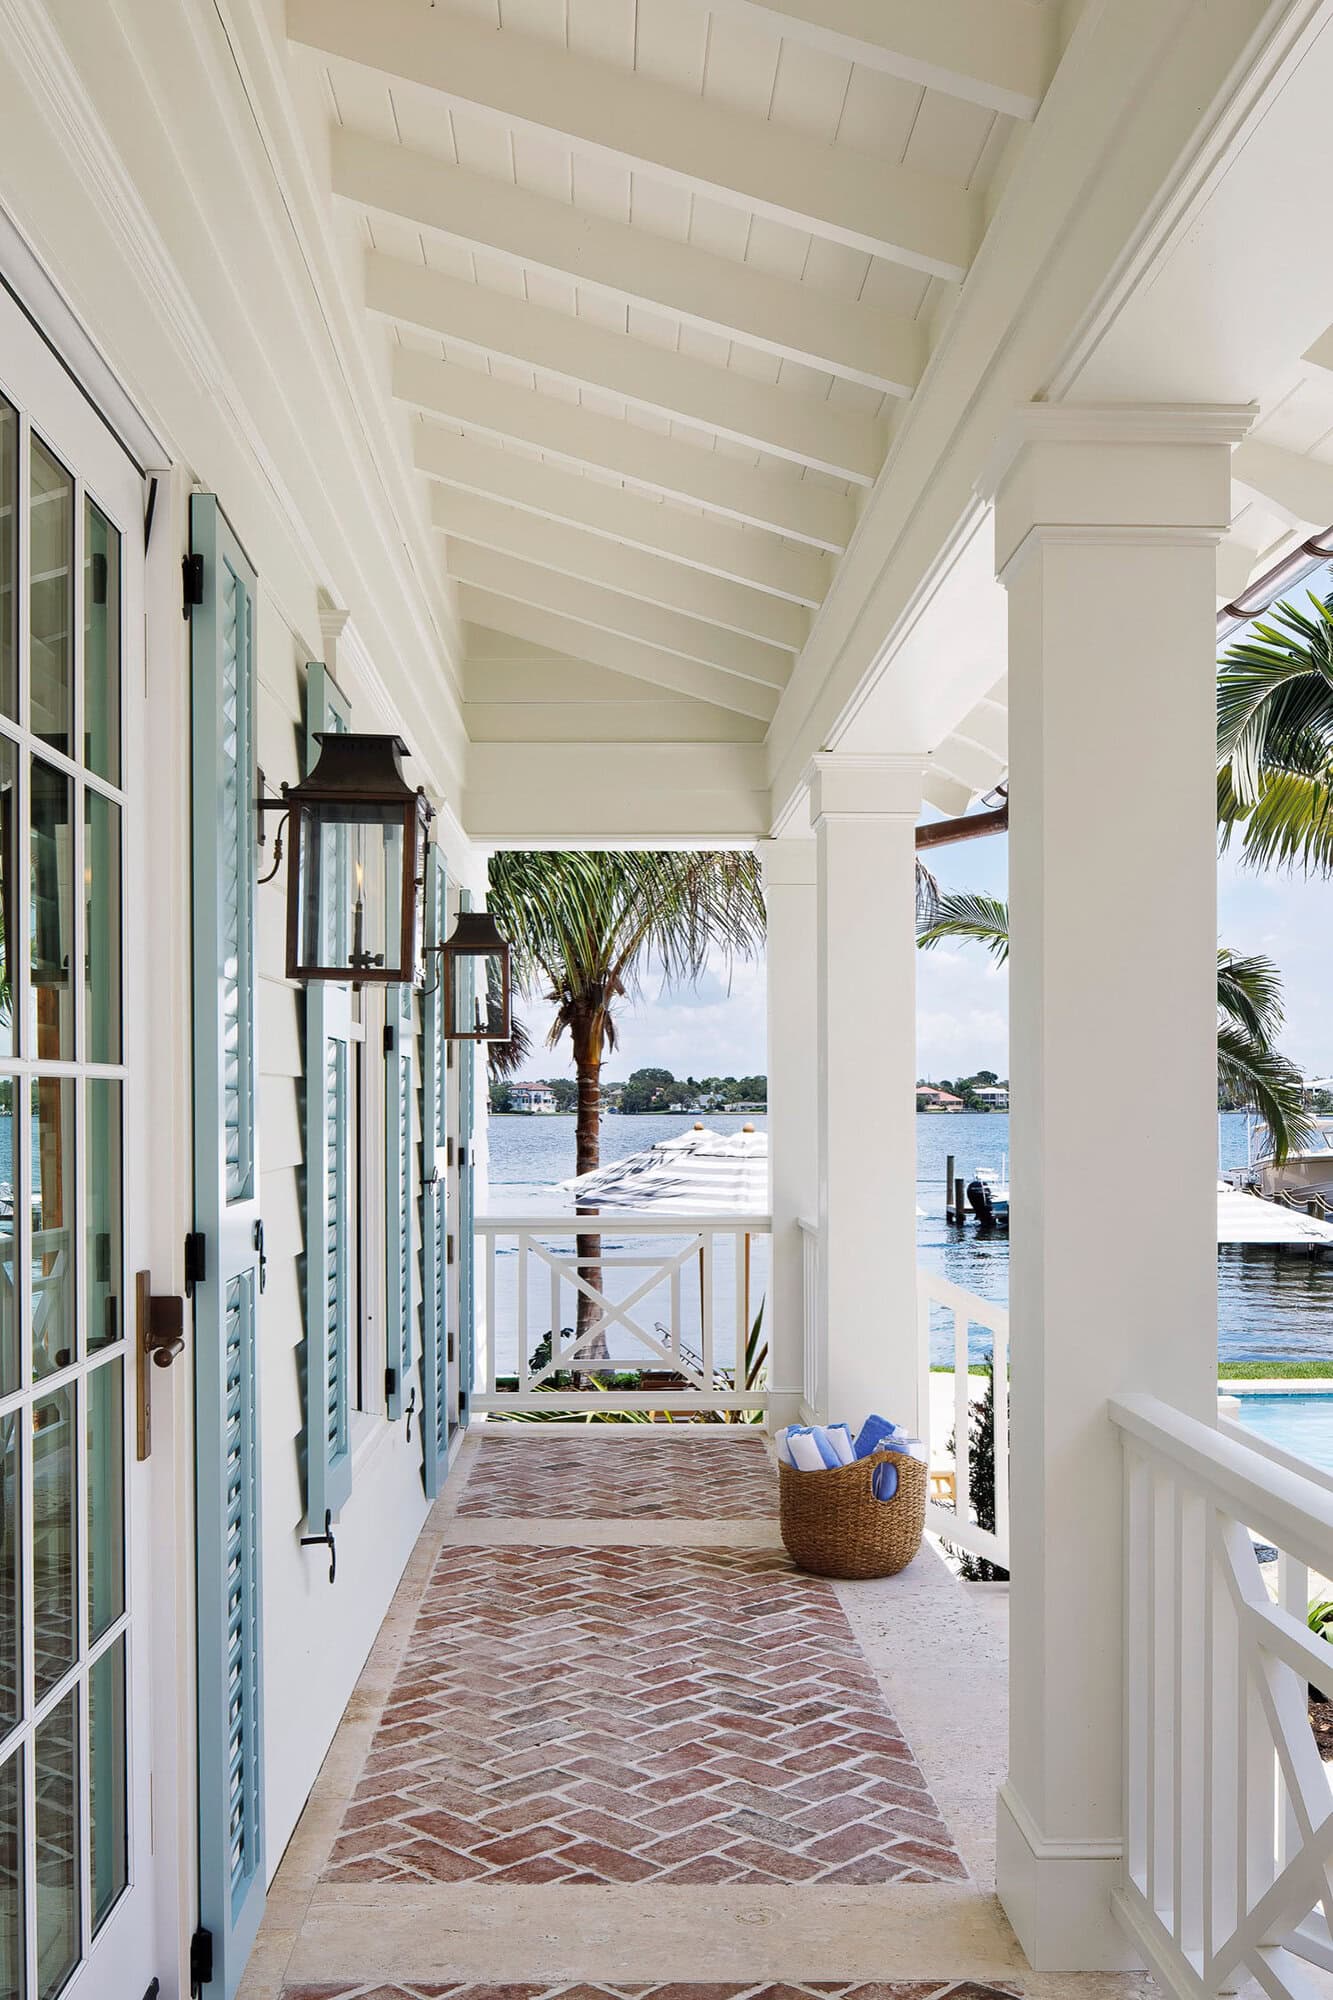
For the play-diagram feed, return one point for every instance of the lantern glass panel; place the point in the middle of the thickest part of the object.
(350, 892)
(479, 998)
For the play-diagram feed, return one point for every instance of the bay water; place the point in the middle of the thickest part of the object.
(1273, 1305)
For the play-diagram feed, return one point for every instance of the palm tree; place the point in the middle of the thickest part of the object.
(585, 926)
(1250, 1067)
(1275, 739)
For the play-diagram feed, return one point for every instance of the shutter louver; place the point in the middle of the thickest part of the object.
(226, 1300)
(435, 1397)
(397, 1190)
(328, 1222)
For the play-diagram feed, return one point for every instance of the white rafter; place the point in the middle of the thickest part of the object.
(991, 52)
(864, 343)
(571, 551)
(912, 218)
(808, 431)
(766, 498)
(613, 611)
(1298, 488)
(787, 570)
(609, 649)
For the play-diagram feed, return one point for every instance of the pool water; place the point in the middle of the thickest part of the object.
(1302, 1425)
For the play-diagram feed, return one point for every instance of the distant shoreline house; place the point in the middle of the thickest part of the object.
(538, 1099)
(928, 1098)
(996, 1095)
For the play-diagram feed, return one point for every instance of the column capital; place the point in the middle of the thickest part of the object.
(854, 785)
(1113, 473)
(788, 864)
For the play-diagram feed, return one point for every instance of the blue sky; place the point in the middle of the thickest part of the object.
(963, 999)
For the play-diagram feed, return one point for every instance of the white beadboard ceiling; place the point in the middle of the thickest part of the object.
(656, 279)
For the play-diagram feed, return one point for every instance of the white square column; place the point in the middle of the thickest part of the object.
(864, 811)
(1106, 526)
(789, 894)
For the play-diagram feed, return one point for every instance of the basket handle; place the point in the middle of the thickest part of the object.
(872, 1464)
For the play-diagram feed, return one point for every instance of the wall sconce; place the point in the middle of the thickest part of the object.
(355, 873)
(476, 973)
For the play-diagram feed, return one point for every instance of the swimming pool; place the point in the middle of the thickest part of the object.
(1302, 1425)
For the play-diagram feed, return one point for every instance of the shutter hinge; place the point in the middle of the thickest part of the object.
(449, 1150)
(196, 1261)
(201, 1962)
(388, 1041)
(449, 1248)
(192, 583)
(462, 1152)
(390, 1383)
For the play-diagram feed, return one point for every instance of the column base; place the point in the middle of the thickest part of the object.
(1057, 1895)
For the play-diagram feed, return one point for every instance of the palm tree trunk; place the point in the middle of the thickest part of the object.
(587, 1038)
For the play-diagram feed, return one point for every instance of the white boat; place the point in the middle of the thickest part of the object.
(1308, 1171)
(988, 1193)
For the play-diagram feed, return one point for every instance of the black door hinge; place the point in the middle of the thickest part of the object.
(196, 1261)
(192, 583)
(201, 1962)
(390, 1383)
(462, 1152)
(388, 1041)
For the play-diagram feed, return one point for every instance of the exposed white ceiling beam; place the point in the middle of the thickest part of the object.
(555, 545)
(673, 134)
(613, 611)
(991, 52)
(1299, 489)
(766, 498)
(787, 570)
(864, 343)
(808, 431)
(622, 655)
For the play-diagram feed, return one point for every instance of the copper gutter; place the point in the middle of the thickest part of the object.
(971, 826)
(1270, 585)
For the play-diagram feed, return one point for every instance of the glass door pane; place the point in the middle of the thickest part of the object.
(65, 1684)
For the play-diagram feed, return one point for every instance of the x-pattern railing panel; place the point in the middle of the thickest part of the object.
(1228, 1870)
(562, 1268)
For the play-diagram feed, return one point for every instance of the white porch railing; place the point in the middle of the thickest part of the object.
(963, 1310)
(1228, 1814)
(675, 1297)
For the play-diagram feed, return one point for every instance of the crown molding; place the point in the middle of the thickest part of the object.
(1112, 423)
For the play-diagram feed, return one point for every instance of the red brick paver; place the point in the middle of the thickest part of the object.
(917, 1989)
(727, 1478)
(615, 1715)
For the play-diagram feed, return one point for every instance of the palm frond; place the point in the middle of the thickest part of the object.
(1264, 1078)
(978, 919)
(505, 1059)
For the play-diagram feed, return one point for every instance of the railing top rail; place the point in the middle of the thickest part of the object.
(944, 1292)
(1291, 1510)
(624, 1220)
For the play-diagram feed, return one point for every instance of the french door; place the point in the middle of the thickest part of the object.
(75, 1894)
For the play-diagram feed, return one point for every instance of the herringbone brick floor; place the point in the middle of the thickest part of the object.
(726, 1478)
(620, 1714)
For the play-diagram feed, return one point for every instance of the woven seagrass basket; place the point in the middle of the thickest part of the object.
(832, 1524)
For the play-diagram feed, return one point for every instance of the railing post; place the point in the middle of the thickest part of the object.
(789, 894)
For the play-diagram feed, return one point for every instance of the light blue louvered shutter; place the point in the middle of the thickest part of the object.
(467, 1236)
(434, 1201)
(226, 1209)
(398, 1195)
(328, 1192)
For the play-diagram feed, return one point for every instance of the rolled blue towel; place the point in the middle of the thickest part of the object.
(817, 1447)
(876, 1434)
(884, 1482)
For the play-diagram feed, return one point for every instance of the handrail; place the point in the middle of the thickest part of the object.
(946, 1293)
(628, 1221)
(1286, 1506)
(1253, 1441)
(955, 1525)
